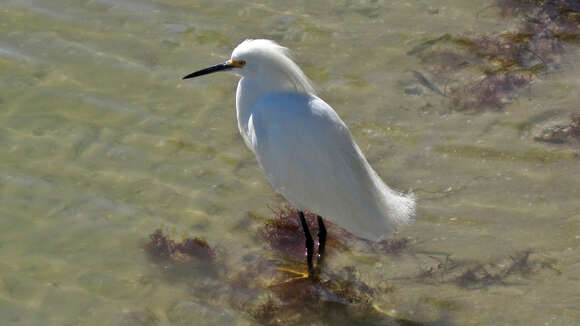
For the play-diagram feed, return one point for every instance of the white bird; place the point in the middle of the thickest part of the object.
(305, 150)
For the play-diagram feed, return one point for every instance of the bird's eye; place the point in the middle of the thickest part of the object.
(242, 63)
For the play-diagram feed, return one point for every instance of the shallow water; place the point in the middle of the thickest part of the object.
(102, 143)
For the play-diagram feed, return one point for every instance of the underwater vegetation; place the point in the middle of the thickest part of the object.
(266, 289)
(334, 295)
(338, 297)
(269, 286)
(283, 233)
(162, 249)
(476, 275)
(180, 260)
(481, 72)
(391, 246)
(560, 134)
(565, 12)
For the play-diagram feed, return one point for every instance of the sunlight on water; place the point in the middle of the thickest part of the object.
(103, 144)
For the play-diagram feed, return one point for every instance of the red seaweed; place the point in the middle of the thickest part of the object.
(486, 71)
(161, 248)
(284, 234)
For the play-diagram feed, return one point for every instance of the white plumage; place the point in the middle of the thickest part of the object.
(305, 149)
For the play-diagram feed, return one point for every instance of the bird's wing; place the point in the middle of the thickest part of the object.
(308, 155)
(297, 135)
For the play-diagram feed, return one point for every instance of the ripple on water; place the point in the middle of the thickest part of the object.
(101, 143)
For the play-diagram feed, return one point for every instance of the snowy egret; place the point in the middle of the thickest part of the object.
(305, 150)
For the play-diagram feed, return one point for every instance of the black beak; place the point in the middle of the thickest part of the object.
(216, 68)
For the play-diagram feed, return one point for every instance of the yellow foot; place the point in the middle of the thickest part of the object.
(298, 276)
(392, 313)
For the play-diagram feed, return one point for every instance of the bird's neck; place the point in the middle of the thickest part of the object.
(249, 92)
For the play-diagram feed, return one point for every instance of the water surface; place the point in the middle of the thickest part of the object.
(102, 143)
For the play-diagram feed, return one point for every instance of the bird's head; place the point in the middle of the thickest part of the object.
(264, 61)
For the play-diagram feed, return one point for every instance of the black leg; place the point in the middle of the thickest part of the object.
(309, 241)
(321, 239)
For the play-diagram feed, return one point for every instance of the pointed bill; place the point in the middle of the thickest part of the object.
(219, 67)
